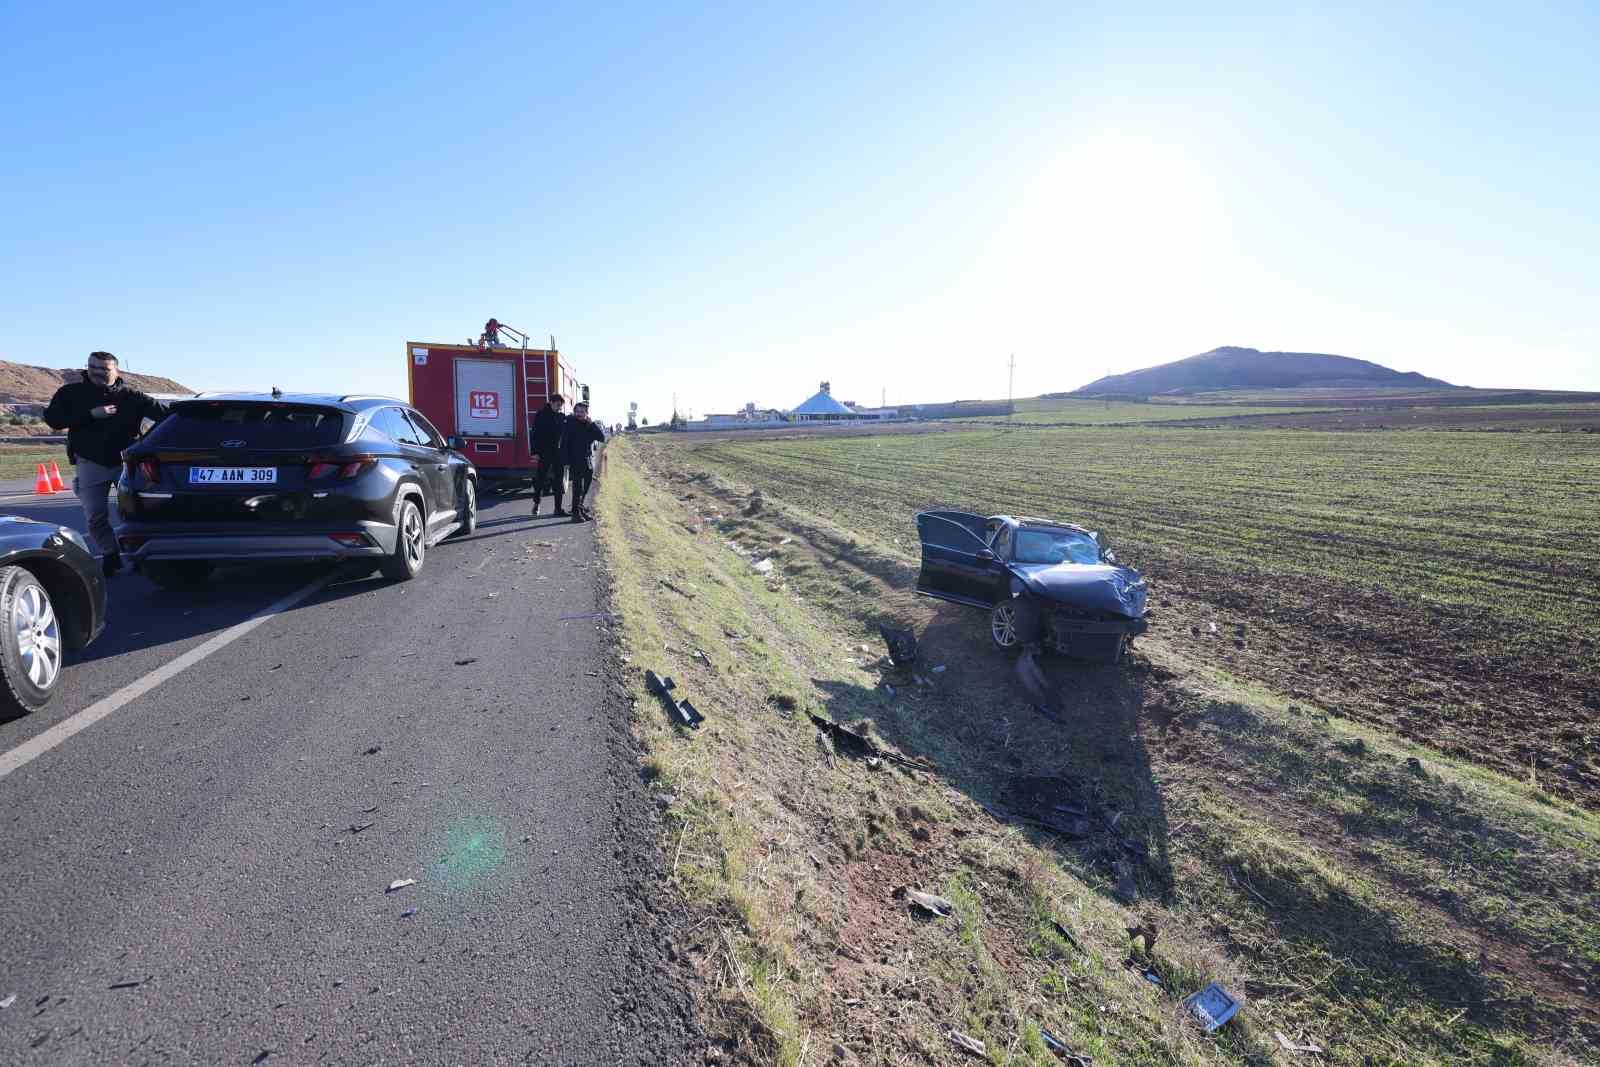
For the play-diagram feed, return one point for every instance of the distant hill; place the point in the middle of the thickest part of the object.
(1247, 368)
(26, 386)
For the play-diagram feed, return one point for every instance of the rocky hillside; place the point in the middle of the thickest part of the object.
(23, 386)
(1247, 368)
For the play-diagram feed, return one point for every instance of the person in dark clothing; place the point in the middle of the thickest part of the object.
(577, 448)
(548, 427)
(102, 417)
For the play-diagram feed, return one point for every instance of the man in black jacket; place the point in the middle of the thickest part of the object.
(577, 448)
(548, 427)
(101, 417)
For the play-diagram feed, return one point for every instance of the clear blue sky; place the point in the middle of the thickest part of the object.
(734, 202)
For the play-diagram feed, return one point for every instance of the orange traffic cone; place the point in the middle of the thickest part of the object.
(56, 485)
(41, 484)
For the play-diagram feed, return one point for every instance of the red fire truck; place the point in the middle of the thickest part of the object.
(488, 394)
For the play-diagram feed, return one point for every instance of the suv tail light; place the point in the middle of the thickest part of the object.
(340, 467)
(151, 469)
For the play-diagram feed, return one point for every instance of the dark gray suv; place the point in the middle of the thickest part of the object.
(247, 476)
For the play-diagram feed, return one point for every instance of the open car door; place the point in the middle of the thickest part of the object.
(951, 565)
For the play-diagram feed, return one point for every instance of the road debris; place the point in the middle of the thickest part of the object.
(464, 662)
(682, 590)
(1148, 932)
(1290, 1046)
(356, 828)
(1066, 935)
(408, 913)
(1212, 1006)
(132, 983)
(842, 739)
(400, 883)
(970, 1044)
(6, 1003)
(1414, 765)
(373, 751)
(1054, 1044)
(491, 596)
(902, 645)
(762, 566)
(681, 712)
(933, 905)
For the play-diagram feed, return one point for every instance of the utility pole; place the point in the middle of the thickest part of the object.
(1011, 381)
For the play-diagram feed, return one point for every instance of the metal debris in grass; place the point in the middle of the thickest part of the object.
(940, 907)
(969, 1044)
(1055, 1045)
(1291, 1046)
(842, 739)
(681, 712)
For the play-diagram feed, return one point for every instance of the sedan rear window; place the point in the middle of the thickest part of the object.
(208, 425)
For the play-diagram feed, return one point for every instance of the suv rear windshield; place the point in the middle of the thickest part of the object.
(254, 425)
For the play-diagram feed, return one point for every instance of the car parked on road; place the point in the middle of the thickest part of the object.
(255, 476)
(52, 599)
(1090, 607)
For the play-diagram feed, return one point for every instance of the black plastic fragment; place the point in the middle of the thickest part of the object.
(679, 711)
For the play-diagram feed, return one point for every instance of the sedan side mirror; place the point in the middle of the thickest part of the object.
(457, 442)
(1110, 557)
(985, 554)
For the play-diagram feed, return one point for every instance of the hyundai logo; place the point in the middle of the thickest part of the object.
(233, 444)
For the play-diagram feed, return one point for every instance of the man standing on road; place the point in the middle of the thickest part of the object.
(101, 417)
(577, 448)
(548, 427)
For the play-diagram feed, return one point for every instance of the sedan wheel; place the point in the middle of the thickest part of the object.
(30, 642)
(1003, 626)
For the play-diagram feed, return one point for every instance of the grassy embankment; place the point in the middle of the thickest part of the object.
(22, 461)
(1389, 914)
(1073, 412)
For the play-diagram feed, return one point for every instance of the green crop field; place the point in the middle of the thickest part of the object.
(1043, 411)
(21, 461)
(1445, 584)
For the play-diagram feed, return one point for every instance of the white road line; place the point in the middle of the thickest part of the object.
(61, 731)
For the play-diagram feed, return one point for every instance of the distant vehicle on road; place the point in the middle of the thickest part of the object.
(52, 598)
(488, 395)
(248, 476)
(1089, 606)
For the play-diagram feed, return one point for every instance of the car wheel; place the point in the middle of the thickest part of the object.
(469, 509)
(410, 543)
(30, 642)
(1003, 626)
(177, 573)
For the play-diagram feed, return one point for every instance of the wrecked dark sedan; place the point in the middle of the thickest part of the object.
(1055, 579)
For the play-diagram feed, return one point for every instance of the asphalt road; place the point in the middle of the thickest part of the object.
(184, 880)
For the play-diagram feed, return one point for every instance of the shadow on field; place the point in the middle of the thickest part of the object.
(1081, 786)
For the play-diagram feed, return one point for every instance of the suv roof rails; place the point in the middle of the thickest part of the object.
(368, 396)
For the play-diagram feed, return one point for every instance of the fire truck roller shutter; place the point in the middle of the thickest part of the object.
(486, 398)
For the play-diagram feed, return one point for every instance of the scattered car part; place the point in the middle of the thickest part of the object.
(1066, 935)
(1053, 1043)
(681, 712)
(400, 883)
(843, 739)
(902, 646)
(1291, 1046)
(970, 1044)
(940, 907)
(1213, 1006)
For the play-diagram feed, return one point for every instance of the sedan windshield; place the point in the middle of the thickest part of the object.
(1040, 545)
